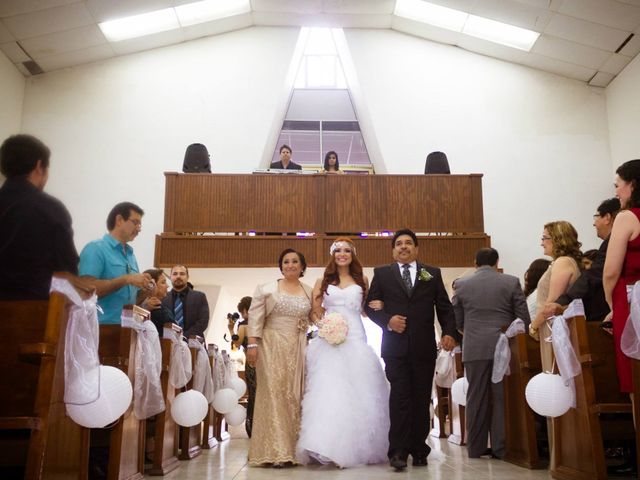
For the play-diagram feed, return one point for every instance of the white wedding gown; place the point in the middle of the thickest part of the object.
(345, 407)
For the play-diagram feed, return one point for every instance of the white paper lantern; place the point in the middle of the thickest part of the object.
(237, 416)
(459, 391)
(115, 397)
(239, 386)
(189, 408)
(547, 395)
(225, 400)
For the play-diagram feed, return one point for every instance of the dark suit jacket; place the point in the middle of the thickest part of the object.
(589, 288)
(196, 312)
(291, 166)
(484, 303)
(418, 340)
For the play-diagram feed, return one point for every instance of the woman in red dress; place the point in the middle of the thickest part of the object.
(622, 266)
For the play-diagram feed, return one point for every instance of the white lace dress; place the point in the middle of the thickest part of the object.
(345, 407)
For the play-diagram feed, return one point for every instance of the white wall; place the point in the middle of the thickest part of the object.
(12, 85)
(540, 140)
(114, 127)
(623, 108)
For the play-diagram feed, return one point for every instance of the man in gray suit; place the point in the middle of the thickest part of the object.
(485, 304)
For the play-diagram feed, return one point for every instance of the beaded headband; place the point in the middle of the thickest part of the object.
(335, 245)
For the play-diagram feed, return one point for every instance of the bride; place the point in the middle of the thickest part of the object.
(345, 406)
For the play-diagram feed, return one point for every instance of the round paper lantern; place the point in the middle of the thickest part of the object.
(459, 391)
(547, 395)
(239, 386)
(189, 408)
(225, 400)
(237, 416)
(114, 399)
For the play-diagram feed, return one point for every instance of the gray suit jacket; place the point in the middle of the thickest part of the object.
(484, 303)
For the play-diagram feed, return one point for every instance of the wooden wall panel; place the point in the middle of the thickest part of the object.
(424, 203)
(323, 203)
(240, 203)
(211, 251)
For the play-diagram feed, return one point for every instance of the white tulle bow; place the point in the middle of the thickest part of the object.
(202, 378)
(630, 340)
(148, 399)
(502, 354)
(81, 361)
(180, 370)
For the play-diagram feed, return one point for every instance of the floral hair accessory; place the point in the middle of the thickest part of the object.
(424, 275)
(336, 245)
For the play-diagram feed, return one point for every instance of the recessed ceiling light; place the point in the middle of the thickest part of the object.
(499, 32)
(208, 10)
(432, 14)
(140, 25)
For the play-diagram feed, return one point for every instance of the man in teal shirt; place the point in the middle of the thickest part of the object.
(111, 265)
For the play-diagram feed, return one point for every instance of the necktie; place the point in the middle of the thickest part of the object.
(178, 311)
(406, 276)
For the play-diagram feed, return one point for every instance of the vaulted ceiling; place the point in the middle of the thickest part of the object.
(588, 40)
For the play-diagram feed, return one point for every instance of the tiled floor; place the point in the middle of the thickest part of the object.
(446, 462)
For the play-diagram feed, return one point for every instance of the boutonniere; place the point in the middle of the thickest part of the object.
(424, 275)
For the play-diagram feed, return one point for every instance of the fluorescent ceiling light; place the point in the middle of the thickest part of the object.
(172, 18)
(499, 32)
(432, 14)
(473, 25)
(208, 10)
(140, 25)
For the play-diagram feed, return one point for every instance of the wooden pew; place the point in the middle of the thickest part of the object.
(165, 451)
(191, 437)
(126, 438)
(456, 412)
(208, 436)
(520, 424)
(35, 432)
(220, 427)
(441, 412)
(577, 451)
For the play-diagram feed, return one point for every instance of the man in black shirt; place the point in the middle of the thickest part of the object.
(37, 239)
(285, 162)
(588, 286)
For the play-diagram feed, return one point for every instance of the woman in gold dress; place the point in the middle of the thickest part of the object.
(278, 322)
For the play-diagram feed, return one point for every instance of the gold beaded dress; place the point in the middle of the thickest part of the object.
(280, 321)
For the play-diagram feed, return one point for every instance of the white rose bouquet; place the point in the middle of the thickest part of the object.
(333, 328)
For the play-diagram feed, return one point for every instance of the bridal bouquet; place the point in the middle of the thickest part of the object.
(333, 328)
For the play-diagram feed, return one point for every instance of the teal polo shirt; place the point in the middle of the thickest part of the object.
(105, 259)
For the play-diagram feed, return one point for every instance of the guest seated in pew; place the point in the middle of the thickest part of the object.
(589, 286)
(285, 162)
(111, 264)
(37, 239)
(588, 258)
(622, 264)
(485, 303)
(152, 299)
(331, 163)
(531, 278)
(559, 241)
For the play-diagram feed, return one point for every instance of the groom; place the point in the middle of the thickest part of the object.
(410, 291)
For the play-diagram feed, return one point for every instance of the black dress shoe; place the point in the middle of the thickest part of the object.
(398, 462)
(420, 461)
(627, 469)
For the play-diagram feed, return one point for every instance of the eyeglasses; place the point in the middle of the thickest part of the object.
(596, 215)
(545, 237)
(136, 223)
